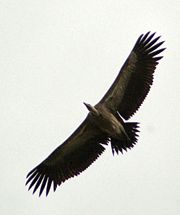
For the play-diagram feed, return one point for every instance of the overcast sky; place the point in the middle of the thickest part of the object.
(54, 55)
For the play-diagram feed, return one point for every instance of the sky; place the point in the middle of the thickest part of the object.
(55, 55)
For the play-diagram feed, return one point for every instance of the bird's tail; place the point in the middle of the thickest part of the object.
(131, 129)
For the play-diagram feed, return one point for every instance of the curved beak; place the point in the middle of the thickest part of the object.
(88, 106)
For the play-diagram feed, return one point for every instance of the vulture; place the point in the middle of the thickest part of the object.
(105, 122)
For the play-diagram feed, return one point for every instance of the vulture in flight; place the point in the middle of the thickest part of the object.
(105, 122)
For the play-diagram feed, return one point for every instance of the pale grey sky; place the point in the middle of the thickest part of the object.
(53, 56)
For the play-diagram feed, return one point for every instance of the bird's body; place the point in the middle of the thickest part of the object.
(105, 122)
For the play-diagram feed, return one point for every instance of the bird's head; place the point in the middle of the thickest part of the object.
(92, 109)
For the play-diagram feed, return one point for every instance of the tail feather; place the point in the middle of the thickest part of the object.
(131, 129)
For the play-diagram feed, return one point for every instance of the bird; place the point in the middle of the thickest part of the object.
(106, 122)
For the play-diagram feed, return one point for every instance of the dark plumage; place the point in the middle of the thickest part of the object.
(104, 124)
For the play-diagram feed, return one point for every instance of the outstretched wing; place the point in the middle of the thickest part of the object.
(79, 151)
(135, 77)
